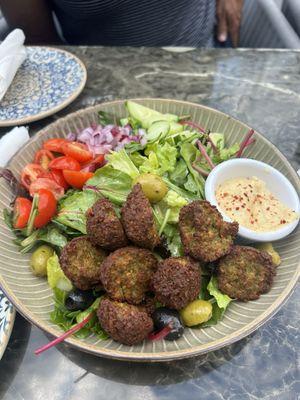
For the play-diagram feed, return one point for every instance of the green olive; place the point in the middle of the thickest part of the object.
(196, 312)
(153, 186)
(268, 247)
(39, 260)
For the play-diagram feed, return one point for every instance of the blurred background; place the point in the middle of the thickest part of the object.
(265, 24)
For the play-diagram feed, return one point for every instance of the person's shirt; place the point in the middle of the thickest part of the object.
(137, 22)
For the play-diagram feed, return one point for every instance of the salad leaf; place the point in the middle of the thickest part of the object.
(179, 175)
(137, 158)
(191, 185)
(121, 161)
(110, 183)
(190, 153)
(56, 276)
(182, 192)
(172, 235)
(209, 291)
(161, 159)
(222, 299)
(204, 293)
(72, 208)
(105, 118)
(224, 153)
(66, 319)
(49, 234)
(216, 316)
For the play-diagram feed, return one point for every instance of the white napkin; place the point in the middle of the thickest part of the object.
(11, 143)
(12, 54)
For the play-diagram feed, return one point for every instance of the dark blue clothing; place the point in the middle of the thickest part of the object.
(137, 22)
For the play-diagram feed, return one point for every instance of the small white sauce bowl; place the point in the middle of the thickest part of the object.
(277, 183)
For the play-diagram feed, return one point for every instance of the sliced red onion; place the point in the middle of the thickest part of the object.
(71, 136)
(101, 140)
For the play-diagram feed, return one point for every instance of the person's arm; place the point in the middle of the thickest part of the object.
(33, 16)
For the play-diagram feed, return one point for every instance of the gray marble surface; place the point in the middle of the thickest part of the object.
(261, 88)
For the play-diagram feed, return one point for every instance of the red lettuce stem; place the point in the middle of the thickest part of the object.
(245, 143)
(193, 125)
(205, 155)
(64, 335)
(161, 334)
(200, 170)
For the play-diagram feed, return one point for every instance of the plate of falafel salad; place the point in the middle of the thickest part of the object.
(148, 230)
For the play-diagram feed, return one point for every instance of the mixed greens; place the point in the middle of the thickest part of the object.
(177, 150)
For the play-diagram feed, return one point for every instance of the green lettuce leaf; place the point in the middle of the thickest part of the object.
(137, 158)
(121, 161)
(222, 299)
(190, 153)
(224, 153)
(216, 316)
(67, 319)
(181, 192)
(161, 159)
(172, 235)
(210, 292)
(72, 209)
(55, 275)
(105, 118)
(179, 175)
(110, 183)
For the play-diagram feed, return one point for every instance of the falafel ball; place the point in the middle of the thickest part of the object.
(81, 262)
(177, 282)
(138, 221)
(126, 274)
(104, 227)
(204, 234)
(245, 273)
(125, 323)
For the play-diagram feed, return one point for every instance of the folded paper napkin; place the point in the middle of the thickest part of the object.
(12, 54)
(11, 143)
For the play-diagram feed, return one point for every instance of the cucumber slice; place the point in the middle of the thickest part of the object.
(145, 116)
(158, 130)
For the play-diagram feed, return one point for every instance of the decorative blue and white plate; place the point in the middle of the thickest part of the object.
(7, 319)
(47, 81)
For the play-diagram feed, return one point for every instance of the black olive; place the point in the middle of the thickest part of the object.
(79, 299)
(163, 316)
(162, 249)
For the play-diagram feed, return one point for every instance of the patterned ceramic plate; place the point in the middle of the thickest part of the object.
(34, 299)
(7, 318)
(47, 81)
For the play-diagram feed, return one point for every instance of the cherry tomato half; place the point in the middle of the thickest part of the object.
(43, 158)
(21, 212)
(55, 145)
(46, 208)
(77, 178)
(93, 165)
(48, 184)
(30, 173)
(65, 162)
(57, 176)
(79, 151)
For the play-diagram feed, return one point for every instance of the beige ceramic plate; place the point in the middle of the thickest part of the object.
(33, 298)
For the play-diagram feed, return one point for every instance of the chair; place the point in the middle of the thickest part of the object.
(291, 10)
(264, 25)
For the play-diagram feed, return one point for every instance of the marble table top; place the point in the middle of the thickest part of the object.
(261, 88)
